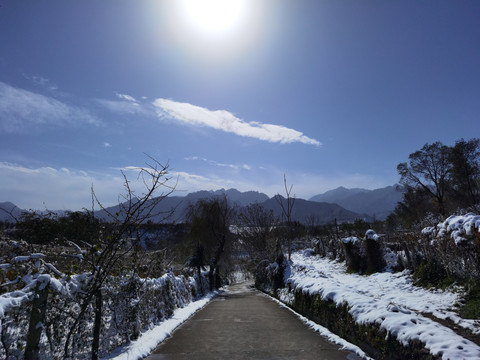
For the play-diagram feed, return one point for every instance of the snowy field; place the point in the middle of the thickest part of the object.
(388, 299)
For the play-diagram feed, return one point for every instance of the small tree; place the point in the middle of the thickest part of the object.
(209, 223)
(286, 205)
(258, 234)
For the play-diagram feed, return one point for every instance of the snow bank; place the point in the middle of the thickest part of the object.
(389, 300)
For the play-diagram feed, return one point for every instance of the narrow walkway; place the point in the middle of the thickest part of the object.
(242, 323)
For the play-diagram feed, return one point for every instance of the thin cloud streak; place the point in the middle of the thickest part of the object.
(216, 163)
(22, 109)
(226, 121)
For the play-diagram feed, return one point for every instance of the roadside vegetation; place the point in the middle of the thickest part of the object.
(74, 286)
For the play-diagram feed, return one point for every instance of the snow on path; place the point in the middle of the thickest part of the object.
(150, 339)
(390, 300)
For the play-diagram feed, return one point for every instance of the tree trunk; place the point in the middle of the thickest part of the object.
(35, 327)
(211, 279)
(97, 324)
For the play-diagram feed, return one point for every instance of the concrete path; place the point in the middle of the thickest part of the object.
(242, 323)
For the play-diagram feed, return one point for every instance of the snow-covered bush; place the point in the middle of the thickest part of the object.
(463, 229)
(375, 252)
(131, 304)
(453, 246)
(354, 254)
(271, 276)
(364, 255)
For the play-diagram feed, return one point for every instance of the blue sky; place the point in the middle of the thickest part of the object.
(329, 93)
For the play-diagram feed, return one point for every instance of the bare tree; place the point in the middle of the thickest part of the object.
(287, 207)
(116, 240)
(258, 233)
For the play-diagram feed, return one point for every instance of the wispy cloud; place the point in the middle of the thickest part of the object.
(188, 182)
(129, 105)
(22, 109)
(125, 97)
(123, 106)
(64, 188)
(43, 82)
(55, 188)
(219, 164)
(226, 121)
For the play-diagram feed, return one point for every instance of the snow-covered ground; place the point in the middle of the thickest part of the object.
(388, 299)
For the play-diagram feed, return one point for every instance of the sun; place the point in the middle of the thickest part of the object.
(214, 33)
(215, 18)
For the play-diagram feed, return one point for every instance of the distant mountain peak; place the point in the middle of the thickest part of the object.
(377, 203)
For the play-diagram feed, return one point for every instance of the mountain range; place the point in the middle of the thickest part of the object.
(341, 204)
(378, 203)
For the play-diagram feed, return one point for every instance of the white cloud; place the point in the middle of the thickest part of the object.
(106, 144)
(125, 97)
(22, 109)
(226, 121)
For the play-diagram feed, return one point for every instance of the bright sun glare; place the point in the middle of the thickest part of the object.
(215, 17)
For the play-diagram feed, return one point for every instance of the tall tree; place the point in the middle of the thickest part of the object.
(465, 173)
(428, 169)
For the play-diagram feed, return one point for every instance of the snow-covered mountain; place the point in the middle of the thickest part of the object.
(378, 203)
